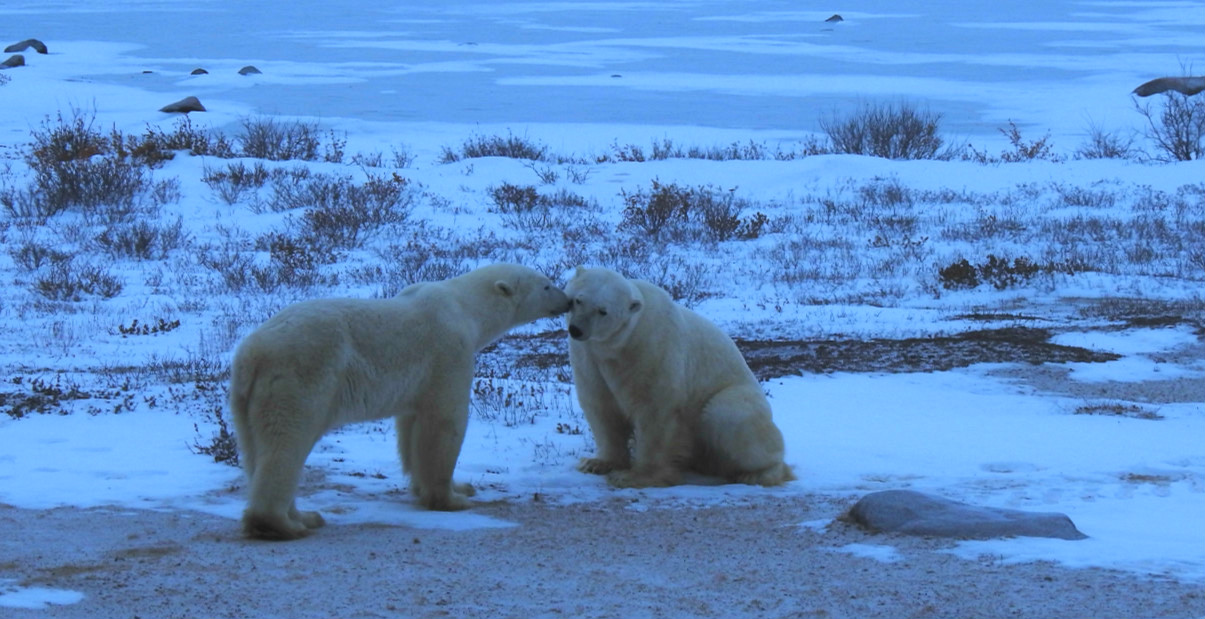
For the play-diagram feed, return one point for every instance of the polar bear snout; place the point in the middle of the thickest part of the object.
(576, 332)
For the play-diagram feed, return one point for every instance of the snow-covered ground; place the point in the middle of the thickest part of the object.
(583, 78)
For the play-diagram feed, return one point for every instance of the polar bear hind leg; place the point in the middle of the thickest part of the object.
(276, 441)
(739, 440)
(271, 510)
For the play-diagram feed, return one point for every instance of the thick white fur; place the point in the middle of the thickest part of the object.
(648, 369)
(323, 363)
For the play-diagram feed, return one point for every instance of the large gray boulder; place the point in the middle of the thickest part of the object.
(1184, 85)
(16, 60)
(185, 105)
(915, 513)
(37, 46)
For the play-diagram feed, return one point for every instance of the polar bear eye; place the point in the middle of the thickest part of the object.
(602, 311)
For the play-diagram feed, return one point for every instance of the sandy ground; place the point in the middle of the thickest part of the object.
(615, 559)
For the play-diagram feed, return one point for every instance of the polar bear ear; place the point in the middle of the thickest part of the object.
(505, 288)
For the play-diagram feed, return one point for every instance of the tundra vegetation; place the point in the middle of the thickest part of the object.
(112, 237)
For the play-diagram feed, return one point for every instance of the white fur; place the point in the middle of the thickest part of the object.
(648, 369)
(320, 364)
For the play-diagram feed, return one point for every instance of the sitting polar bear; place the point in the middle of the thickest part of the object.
(649, 369)
(323, 363)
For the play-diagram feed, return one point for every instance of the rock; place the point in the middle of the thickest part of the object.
(249, 70)
(185, 105)
(37, 46)
(835, 18)
(915, 513)
(1185, 85)
(16, 60)
(199, 71)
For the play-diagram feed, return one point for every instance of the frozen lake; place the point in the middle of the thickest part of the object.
(766, 65)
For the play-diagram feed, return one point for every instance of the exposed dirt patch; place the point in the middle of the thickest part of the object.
(769, 359)
(774, 358)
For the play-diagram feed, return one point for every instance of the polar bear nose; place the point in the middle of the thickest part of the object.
(575, 332)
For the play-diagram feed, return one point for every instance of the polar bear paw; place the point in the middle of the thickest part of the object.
(294, 525)
(597, 466)
(774, 475)
(455, 500)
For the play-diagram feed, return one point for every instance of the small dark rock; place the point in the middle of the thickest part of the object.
(915, 513)
(185, 105)
(249, 70)
(37, 46)
(834, 19)
(16, 60)
(199, 71)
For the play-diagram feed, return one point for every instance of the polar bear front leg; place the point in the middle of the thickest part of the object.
(662, 447)
(609, 426)
(611, 432)
(433, 439)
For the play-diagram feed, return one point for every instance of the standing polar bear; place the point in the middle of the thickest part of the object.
(648, 369)
(323, 363)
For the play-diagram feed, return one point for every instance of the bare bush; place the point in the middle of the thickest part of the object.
(1103, 144)
(221, 445)
(76, 166)
(1001, 273)
(143, 240)
(184, 136)
(672, 212)
(510, 146)
(291, 263)
(666, 149)
(343, 215)
(1177, 128)
(32, 256)
(300, 188)
(67, 279)
(333, 149)
(523, 207)
(402, 158)
(236, 180)
(888, 131)
(1022, 149)
(511, 198)
(685, 282)
(155, 145)
(267, 138)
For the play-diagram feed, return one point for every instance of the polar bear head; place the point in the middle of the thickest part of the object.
(532, 294)
(603, 305)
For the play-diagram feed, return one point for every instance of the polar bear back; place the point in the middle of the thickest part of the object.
(342, 346)
(680, 340)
